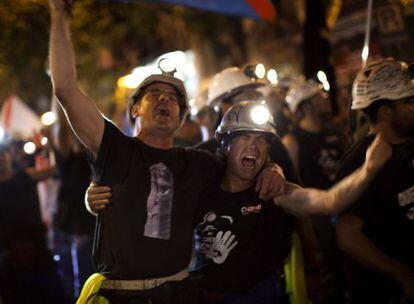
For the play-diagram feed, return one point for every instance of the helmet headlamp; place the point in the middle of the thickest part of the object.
(260, 114)
(167, 66)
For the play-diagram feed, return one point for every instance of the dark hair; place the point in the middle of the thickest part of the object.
(371, 112)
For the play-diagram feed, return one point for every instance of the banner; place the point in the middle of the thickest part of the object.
(17, 119)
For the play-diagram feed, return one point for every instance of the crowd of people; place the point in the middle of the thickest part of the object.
(274, 205)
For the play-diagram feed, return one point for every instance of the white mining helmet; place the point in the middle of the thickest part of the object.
(300, 92)
(252, 116)
(228, 82)
(383, 79)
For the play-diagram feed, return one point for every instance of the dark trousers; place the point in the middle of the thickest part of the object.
(182, 292)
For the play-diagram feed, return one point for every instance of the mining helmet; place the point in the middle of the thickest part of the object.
(229, 82)
(383, 79)
(248, 116)
(300, 92)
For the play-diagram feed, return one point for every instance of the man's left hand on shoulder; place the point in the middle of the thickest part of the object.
(270, 181)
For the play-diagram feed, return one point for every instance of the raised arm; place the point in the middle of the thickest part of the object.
(82, 113)
(63, 138)
(344, 193)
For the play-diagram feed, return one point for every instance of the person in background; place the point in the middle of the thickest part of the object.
(315, 148)
(28, 273)
(376, 233)
(71, 217)
(188, 134)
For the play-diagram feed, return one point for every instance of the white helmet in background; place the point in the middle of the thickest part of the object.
(300, 92)
(383, 79)
(199, 102)
(228, 82)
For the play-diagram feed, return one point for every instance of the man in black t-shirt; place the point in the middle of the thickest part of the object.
(143, 245)
(377, 232)
(237, 232)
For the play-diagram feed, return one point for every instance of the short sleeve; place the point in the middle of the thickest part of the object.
(114, 156)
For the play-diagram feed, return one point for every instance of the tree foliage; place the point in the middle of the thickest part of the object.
(110, 38)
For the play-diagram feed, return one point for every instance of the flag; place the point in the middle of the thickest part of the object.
(257, 9)
(17, 119)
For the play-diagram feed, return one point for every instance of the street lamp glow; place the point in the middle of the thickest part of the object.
(272, 76)
(29, 147)
(365, 53)
(194, 111)
(48, 118)
(260, 71)
(326, 86)
(130, 81)
(44, 141)
(260, 115)
(324, 80)
(322, 76)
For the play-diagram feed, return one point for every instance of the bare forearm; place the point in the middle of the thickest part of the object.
(41, 174)
(348, 190)
(338, 197)
(302, 202)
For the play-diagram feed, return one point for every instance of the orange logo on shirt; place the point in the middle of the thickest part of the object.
(251, 209)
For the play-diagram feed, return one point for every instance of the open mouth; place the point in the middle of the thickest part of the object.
(249, 161)
(164, 112)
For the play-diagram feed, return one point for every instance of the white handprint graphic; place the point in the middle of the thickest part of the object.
(221, 247)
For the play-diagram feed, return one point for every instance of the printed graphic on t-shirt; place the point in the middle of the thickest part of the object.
(159, 203)
(407, 198)
(328, 160)
(251, 209)
(215, 243)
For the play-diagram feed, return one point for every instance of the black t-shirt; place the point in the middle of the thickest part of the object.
(319, 155)
(387, 206)
(147, 230)
(20, 219)
(278, 155)
(75, 175)
(242, 240)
